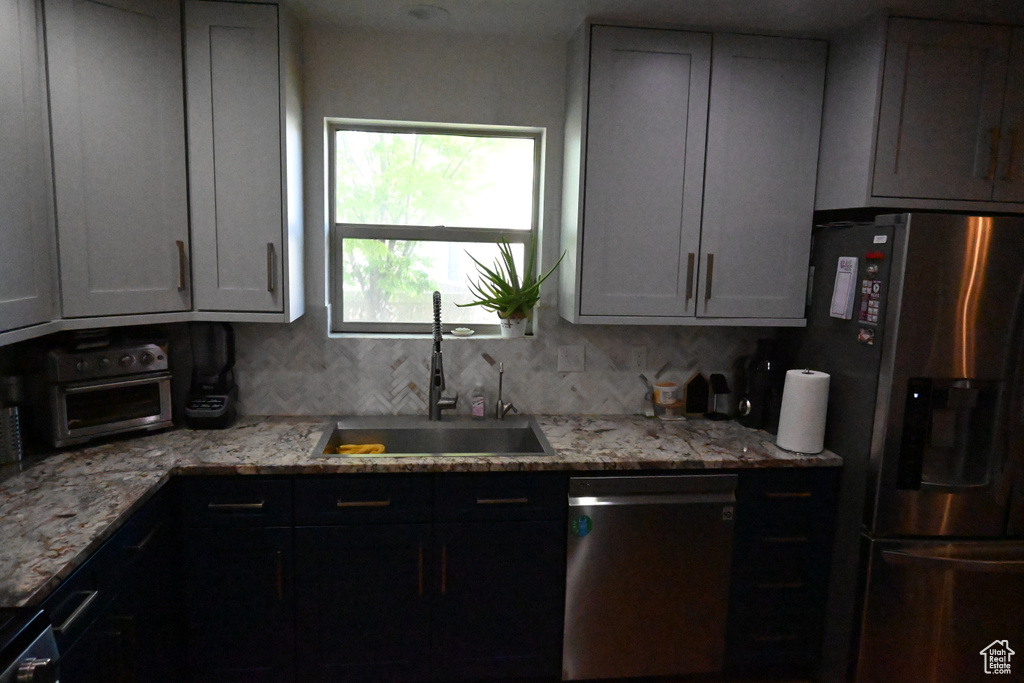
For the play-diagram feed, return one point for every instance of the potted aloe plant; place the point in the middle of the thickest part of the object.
(501, 290)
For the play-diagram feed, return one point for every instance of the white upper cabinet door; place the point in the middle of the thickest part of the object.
(939, 116)
(1009, 184)
(234, 117)
(27, 268)
(763, 126)
(644, 171)
(119, 155)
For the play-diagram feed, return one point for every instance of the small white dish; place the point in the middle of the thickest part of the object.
(462, 332)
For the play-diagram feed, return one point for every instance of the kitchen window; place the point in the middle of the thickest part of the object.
(409, 204)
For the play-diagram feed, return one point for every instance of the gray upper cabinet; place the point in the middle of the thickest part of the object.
(689, 177)
(1009, 177)
(645, 155)
(763, 125)
(116, 89)
(237, 116)
(924, 114)
(27, 259)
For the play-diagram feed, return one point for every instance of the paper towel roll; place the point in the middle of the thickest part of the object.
(804, 404)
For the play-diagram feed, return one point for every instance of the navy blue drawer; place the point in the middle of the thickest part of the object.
(236, 501)
(362, 499)
(491, 497)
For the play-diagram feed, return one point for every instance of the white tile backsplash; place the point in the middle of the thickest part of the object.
(297, 370)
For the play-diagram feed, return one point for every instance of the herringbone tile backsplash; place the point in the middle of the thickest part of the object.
(297, 370)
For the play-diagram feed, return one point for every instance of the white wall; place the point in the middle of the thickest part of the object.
(297, 369)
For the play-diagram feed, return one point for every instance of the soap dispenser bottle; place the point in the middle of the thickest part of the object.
(478, 403)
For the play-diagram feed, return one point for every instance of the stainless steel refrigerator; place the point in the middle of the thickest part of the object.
(919, 319)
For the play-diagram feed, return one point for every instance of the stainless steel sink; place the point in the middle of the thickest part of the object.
(408, 435)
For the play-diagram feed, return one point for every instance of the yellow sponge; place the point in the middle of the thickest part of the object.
(360, 449)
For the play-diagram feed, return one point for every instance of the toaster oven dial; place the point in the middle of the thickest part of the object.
(82, 366)
(126, 361)
(104, 363)
(146, 358)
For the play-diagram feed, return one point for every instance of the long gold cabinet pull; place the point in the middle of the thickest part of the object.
(709, 280)
(1010, 171)
(419, 574)
(444, 569)
(182, 265)
(691, 259)
(271, 267)
(993, 153)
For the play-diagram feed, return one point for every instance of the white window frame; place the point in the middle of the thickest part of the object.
(340, 231)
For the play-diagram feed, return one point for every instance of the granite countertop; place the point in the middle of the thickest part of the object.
(56, 512)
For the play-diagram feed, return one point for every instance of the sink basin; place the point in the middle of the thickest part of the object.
(407, 435)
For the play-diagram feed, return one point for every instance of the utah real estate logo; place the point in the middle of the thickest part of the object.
(996, 656)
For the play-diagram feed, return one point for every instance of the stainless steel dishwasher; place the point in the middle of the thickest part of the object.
(647, 575)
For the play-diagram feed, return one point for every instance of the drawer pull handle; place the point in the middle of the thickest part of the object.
(794, 494)
(777, 639)
(502, 501)
(229, 507)
(138, 547)
(784, 539)
(781, 584)
(364, 503)
(83, 606)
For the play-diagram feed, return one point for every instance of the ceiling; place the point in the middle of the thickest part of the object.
(556, 19)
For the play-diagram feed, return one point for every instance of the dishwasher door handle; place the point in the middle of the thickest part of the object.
(654, 499)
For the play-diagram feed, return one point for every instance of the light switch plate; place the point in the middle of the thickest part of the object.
(571, 358)
(637, 358)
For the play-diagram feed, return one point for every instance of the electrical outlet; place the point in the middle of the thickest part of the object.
(637, 358)
(571, 358)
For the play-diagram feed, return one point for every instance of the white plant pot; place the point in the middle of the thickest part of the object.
(513, 328)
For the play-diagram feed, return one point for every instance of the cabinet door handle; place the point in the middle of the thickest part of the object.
(88, 597)
(690, 259)
(280, 577)
(228, 507)
(181, 265)
(364, 503)
(993, 153)
(419, 574)
(502, 501)
(708, 281)
(1013, 149)
(444, 569)
(271, 270)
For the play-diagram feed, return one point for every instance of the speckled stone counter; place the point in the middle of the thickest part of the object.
(55, 513)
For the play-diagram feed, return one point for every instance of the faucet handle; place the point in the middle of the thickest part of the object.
(502, 409)
(444, 402)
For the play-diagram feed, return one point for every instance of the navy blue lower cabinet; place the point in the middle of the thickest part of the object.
(239, 597)
(116, 618)
(362, 602)
(780, 570)
(499, 600)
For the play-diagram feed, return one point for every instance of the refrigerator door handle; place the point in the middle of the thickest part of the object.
(900, 557)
